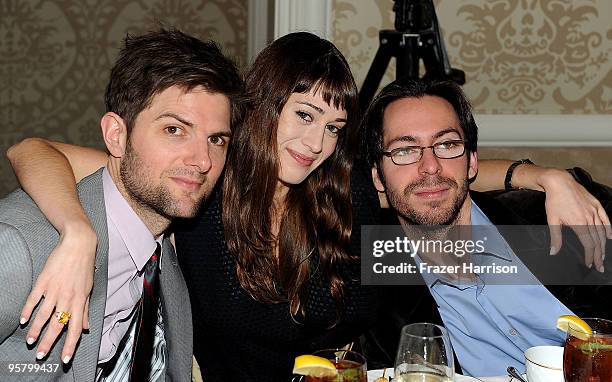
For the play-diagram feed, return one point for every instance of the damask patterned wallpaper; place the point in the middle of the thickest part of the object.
(519, 56)
(55, 57)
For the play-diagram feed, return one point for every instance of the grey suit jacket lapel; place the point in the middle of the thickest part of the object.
(177, 317)
(91, 194)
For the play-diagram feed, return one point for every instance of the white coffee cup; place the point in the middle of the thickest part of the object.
(544, 364)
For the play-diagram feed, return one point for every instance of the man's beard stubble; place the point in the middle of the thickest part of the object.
(437, 215)
(141, 189)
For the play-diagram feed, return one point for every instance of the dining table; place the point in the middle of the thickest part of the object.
(373, 374)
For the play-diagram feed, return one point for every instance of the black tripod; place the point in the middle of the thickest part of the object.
(416, 36)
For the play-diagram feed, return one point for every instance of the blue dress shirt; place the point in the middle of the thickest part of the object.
(492, 325)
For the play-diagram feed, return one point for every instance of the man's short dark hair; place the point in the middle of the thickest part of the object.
(151, 63)
(372, 125)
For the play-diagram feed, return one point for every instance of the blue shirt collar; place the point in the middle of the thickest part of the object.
(495, 244)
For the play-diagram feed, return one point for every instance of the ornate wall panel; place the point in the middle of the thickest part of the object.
(533, 56)
(520, 56)
(55, 57)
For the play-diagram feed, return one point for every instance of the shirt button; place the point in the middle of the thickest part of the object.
(513, 332)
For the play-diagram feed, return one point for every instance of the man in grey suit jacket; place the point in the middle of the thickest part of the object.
(170, 102)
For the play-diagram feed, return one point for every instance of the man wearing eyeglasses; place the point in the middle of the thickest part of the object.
(420, 140)
(422, 148)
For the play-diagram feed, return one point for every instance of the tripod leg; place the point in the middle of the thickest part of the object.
(407, 64)
(374, 76)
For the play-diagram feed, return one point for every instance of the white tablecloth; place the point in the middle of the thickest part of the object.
(373, 374)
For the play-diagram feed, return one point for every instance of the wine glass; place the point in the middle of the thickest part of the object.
(424, 354)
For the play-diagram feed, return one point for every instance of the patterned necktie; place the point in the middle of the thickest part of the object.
(145, 331)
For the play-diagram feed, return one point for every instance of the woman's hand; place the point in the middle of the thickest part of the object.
(64, 285)
(568, 203)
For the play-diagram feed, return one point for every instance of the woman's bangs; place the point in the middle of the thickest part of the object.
(337, 91)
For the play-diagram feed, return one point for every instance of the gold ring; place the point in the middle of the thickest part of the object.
(62, 317)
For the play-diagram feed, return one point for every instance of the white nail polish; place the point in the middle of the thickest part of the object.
(601, 269)
(66, 359)
(553, 251)
(30, 340)
(22, 320)
(40, 355)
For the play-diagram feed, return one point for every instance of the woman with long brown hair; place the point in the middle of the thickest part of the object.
(280, 267)
(276, 223)
(271, 260)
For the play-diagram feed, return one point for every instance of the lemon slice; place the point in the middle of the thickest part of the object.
(579, 328)
(314, 366)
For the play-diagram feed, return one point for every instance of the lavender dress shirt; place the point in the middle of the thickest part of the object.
(130, 245)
